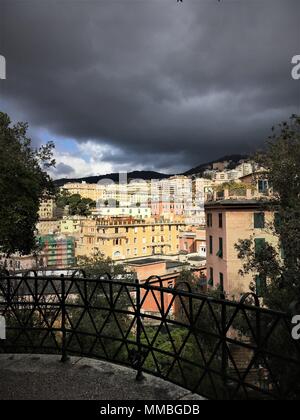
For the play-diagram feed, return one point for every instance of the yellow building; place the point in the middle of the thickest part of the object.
(71, 225)
(47, 209)
(229, 220)
(92, 191)
(126, 238)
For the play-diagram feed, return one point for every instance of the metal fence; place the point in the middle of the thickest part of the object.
(217, 348)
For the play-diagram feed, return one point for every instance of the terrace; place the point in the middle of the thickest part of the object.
(108, 342)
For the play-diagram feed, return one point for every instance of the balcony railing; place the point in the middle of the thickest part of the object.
(217, 348)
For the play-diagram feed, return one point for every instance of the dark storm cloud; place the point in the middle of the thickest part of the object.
(62, 168)
(167, 84)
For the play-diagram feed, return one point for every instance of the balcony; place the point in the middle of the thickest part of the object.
(211, 347)
(44, 377)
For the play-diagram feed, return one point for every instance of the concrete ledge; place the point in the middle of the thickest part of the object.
(44, 377)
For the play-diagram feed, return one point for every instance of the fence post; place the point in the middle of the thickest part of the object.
(138, 359)
(64, 356)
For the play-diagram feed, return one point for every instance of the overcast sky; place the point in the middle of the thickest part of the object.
(148, 84)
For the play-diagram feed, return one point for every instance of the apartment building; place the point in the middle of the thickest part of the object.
(47, 209)
(71, 225)
(58, 252)
(17, 262)
(128, 238)
(167, 208)
(193, 241)
(133, 193)
(85, 190)
(230, 219)
(135, 212)
(48, 227)
(177, 188)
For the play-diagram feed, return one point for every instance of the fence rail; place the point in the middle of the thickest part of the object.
(217, 348)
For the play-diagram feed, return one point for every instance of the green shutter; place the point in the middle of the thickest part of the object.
(210, 244)
(220, 252)
(277, 220)
(259, 220)
(260, 285)
(211, 278)
(259, 244)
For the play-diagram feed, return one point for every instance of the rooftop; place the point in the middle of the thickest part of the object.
(146, 261)
(44, 377)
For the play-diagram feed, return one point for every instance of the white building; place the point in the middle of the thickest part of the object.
(135, 212)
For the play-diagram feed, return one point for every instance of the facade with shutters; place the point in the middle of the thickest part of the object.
(228, 221)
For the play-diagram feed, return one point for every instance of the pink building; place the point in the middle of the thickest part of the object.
(193, 241)
(159, 208)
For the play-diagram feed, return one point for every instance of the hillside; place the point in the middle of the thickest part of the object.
(233, 159)
(148, 175)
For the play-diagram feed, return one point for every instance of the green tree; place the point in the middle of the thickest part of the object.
(23, 183)
(276, 269)
(101, 331)
(77, 205)
(97, 265)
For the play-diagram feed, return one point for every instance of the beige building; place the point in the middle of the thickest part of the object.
(47, 209)
(229, 220)
(135, 212)
(127, 238)
(71, 225)
(92, 191)
(48, 227)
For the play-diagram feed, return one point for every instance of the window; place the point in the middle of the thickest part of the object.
(210, 245)
(277, 220)
(262, 186)
(259, 220)
(220, 220)
(209, 220)
(220, 252)
(221, 276)
(260, 285)
(259, 244)
(211, 277)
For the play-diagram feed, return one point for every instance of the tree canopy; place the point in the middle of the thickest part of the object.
(23, 183)
(77, 205)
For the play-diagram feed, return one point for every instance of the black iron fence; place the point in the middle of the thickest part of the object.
(217, 348)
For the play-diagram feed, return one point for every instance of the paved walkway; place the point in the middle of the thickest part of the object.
(43, 377)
